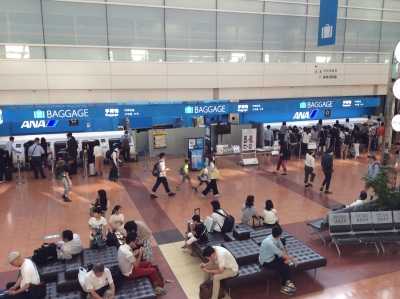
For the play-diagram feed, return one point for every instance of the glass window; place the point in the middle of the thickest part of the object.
(73, 53)
(240, 5)
(239, 31)
(390, 36)
(360, 58)
(284, 33)
(391, 15)
(136, 55)
(190, 29)
(286, 8)
(21, 52)
(312, 36)
(144, 2)
(21, 22)
(190, 56)
(392, 4)
(364, 13)
(130, 26)
(281, 57)
(208, 4)
(362, 36)
(313, 10)
(324, 57)
(366, 3)
(239, 56)
(74, 23)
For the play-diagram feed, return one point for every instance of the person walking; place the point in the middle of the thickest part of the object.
(305, 140)
(72, 149)
(309, 164)
(283, 152)
(184, 172)
(282, 132)
(162, 177)
(98, 158)
(268, 136)
(43, 144)
(35, 153)
(327, 168)
(62, 173)
(9, 151)
(126, 139)
(212, 183)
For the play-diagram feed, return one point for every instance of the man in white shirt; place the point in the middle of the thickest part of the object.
(131, 265)
(29, 274)
(10, 149)
(309, 164)
(99, 283)
(162, 177)
(268, 136)
(349, 125)
(70, 245)
(361, 199)
(221, 265)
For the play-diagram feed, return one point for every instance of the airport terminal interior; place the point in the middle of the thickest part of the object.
(196, 79)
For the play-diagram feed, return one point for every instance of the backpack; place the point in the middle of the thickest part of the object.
(98, 241)
(125, 143)
(58, 171)
(116, 276)
(229, 222)
(201, 232)
(156, 169)
(108, 153)
(181, 170)
(201, 174)
(47, 252)
(347, 139)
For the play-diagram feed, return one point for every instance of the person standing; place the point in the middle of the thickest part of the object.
(65, 177)
(212, 183)
(162, 177)
(282, 132)
(357, 140)
(98, 158)
(309, 164)
(126, 139)
(346, 143)
(305, 140)
(2, 164)
(322, 141)
(114, 172)
(99, 283)
(372, 170)
(43, 144)
(327, 168)
(274, 256)
(379, 133)
(349, 125)
(35, 153)
(10, 149)
(28, 275)
(234, 121)
(268, 136)
(72, 149)
(283, 152)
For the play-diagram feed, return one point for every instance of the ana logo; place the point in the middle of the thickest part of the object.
(306, 114)
(347, 103)
(1, 116)
(303, 105)
(111, 112)
(38, 114)
(188, 109)
(29, 124)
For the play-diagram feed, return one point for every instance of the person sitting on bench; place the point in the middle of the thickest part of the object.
(70, 245)
(99, 283)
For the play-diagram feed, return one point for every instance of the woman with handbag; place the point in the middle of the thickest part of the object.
(102, 202)
(249, 210)
(98, 158)
(269, 213)
(212, 178)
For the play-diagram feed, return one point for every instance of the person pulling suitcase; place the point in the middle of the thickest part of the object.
(35, 153)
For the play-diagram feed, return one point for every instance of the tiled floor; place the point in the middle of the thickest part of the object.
(30, 211)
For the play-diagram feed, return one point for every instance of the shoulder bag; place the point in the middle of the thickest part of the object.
(37, 291)
(30, 157)
(255, 221)
(214, 175)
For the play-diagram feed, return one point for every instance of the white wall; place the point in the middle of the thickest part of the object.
(40, 82)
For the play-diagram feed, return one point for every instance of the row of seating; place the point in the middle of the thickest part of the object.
(244, 244)
(62, 276)
(364, 227)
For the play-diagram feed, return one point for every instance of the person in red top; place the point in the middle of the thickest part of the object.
(379, 133)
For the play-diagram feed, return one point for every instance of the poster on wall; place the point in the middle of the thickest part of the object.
(160, 139)
(196, 153)
(249, 139)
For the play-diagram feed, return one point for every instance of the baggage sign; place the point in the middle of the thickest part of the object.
(327, 22)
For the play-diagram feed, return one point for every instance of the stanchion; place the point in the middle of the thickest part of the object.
(85, 168)
(19, 172)
(53, 178)
(146, 161)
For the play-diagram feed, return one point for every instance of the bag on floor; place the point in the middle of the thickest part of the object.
(255, 221)
(117, 277)
(91, 169)
(81, 277)
(160, 278)
(352, 151)
(8, 174)
(47, 252)
(113, 176)
(206, 290)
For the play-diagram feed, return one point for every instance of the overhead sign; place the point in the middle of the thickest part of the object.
(306, 114)
(396, 123)
(327, 22)
(205, 109)
(1, 116)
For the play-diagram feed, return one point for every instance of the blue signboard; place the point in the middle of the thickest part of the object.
(327, 22)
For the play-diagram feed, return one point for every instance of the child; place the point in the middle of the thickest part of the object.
(203, 175)
(98, 229)
(185, 176)
(198, 232)
(116, 219)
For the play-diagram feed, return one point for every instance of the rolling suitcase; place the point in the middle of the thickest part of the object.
(374, 144)
(8, 174)
(91, 169)
(113, 176)
(196, 212)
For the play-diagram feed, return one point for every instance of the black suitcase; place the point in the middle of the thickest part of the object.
(113, 176)
(196, 212)
(374, 144)
(8, 173)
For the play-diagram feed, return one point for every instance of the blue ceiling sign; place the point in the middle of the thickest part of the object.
(327, 22)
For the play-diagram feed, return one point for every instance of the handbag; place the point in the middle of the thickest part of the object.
(214, 175)
(255, 221)
(276, 218)
(81, 277)
(37, 291)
